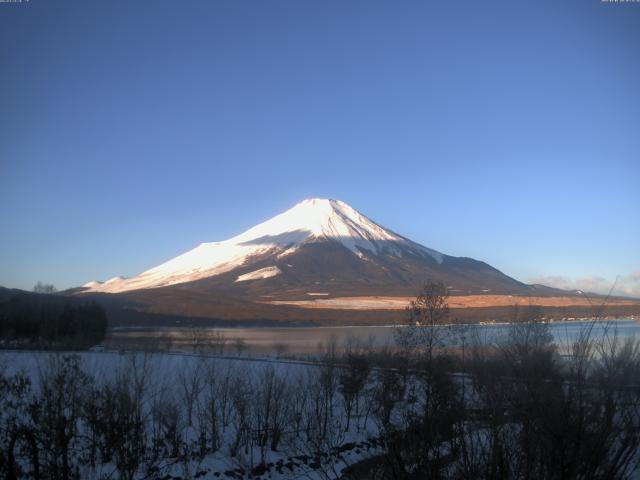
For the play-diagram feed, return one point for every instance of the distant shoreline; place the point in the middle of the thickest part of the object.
(230, 312)
(280, 326)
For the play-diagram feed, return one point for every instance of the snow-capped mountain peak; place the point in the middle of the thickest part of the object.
(319, 217)
(312, 220)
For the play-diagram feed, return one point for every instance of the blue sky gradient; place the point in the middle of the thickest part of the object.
(500, 130)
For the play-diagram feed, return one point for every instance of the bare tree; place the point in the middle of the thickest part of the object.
(191, 385)
(240, 346)
(214, 405)
(241, 393)
(57, 413)
(280, 348)
(427, 315)
(270, 409)
(218, 342)
(528, 347)
(115, 423)
(323, 433)
(44, 288)
(198, 340)
(18, 443)
(352, 380)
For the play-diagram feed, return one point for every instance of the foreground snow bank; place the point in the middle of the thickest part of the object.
(106, 415)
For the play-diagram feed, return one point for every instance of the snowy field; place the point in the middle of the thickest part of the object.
(189, 416)
(110, 415)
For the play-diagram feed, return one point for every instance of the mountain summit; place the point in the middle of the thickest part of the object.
(319, 218)
(317, 245)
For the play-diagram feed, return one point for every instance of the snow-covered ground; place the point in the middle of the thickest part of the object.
(208, 417)
(185, 416)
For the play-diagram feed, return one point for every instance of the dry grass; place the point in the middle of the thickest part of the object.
(462, 301)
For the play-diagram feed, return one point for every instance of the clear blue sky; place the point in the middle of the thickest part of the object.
(508, 131)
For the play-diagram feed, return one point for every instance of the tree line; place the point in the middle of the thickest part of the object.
(50, 321)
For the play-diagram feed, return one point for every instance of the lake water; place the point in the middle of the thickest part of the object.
(310, 340)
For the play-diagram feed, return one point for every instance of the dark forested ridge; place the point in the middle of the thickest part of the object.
(49, 321)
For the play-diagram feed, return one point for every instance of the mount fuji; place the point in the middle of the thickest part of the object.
(319, 247)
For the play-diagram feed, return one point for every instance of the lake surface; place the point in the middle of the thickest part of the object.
(311, 340)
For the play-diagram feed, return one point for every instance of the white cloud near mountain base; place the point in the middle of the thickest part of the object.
(626, 285)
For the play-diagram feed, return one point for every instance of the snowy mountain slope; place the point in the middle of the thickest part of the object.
(310, 221)
(317, 249)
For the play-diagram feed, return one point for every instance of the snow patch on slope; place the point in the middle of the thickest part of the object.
(267, 272)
